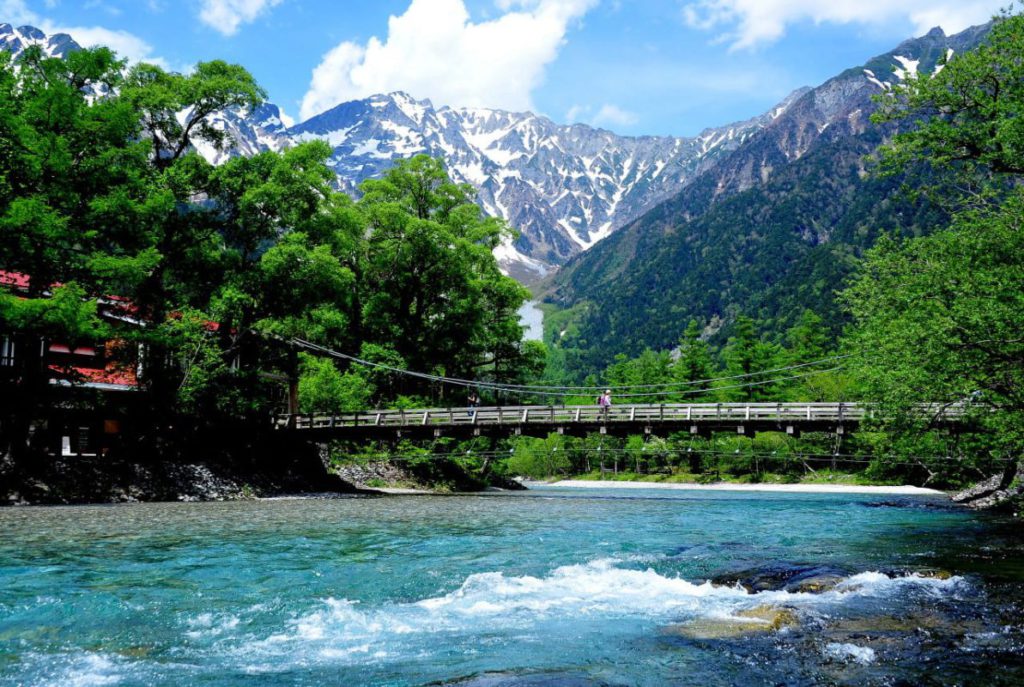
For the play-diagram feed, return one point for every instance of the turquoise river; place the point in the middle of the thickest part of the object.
(552, 587)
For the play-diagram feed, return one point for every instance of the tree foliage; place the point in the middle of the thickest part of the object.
(102, 190)
(939, 319)
(968, 113)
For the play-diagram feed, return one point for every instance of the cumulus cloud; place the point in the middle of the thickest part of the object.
(434, 50)
(614, 115)
(125, 44)
(226, 16)
(606, 115)
(748, 23)
(16, 12)
(286, 118)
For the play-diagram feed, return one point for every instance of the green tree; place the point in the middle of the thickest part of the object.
(808, 340)
(966, 115)
(431, 288)
(938, 319)
(102, 190)
(694, 364)
(72, 188)
(745, 356)
(324, 389)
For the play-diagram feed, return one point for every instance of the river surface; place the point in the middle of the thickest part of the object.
(551, 587)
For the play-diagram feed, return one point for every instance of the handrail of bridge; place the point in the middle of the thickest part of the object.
(590, 414)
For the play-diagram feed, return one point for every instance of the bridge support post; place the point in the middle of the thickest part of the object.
(323, 451)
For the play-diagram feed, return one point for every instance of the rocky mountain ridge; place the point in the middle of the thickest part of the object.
(16, 40)
(564, 187)
(774, 228)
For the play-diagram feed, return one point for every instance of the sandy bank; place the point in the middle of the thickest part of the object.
(725, 486)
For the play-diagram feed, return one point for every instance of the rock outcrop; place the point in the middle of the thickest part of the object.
(997, 491)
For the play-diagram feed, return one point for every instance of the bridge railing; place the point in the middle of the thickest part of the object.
(583, 414)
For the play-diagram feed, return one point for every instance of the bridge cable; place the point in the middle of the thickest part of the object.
(560, 391)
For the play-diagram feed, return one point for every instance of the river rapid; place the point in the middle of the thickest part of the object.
(551, 587)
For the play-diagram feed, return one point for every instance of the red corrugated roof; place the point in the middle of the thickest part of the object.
(118, 306)
(15, 279)
(116, 375)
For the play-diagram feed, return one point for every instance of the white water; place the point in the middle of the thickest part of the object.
(341, 632)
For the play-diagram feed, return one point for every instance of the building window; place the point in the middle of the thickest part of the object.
(6, 352)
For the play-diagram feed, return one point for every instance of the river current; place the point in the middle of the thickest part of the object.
(551, 587)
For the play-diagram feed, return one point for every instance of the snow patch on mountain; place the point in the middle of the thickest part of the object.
(564, 187)
(17, 40)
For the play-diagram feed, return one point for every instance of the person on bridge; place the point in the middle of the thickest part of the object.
(472, 401)
(605, 401)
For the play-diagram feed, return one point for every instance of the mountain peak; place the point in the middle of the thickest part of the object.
(31, 32)
(16, 40)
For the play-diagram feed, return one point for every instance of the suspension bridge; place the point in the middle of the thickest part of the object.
(632, 418)
(698, 419)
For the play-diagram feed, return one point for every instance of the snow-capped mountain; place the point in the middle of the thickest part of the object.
(15, 40)
(564, 187)
(250, 132)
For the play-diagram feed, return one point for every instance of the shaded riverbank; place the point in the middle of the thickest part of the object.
(207, 468)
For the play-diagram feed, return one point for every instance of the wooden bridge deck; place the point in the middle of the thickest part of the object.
(695, 418)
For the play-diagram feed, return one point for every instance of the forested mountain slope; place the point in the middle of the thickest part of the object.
(776, 227)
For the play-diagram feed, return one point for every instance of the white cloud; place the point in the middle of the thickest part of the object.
(748, 23)
(606, 115)
(16, 12)
(434, 50)
(226, 16)
(126, 45)
(286, 118)
(613, 115)
(577, 114)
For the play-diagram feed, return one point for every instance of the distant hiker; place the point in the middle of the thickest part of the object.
(605, 401)
(472, 401)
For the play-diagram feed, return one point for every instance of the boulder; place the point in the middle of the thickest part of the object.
(997, 490)
(788, 577)
(757, 620)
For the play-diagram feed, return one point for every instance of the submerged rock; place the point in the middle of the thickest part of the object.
(785, 577)
(850, 652)
(508, 679)
(757, 620)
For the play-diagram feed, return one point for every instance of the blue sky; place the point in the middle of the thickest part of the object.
(632, 66)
